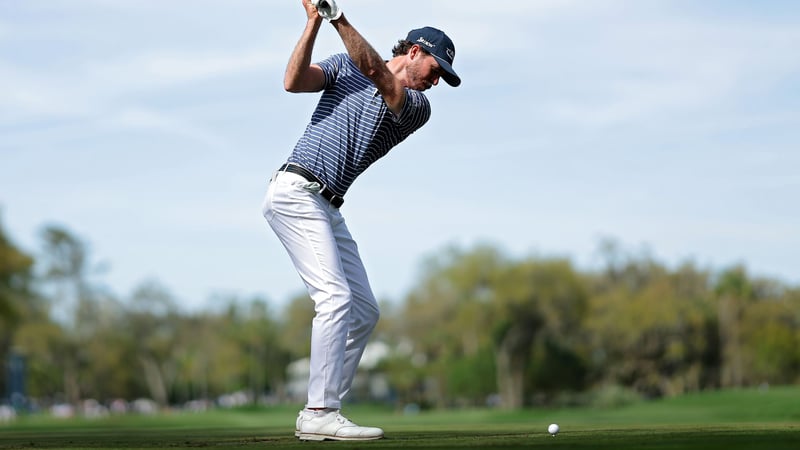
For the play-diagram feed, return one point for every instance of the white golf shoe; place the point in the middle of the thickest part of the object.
(331, 425)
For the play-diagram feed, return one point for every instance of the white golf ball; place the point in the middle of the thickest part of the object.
(553, 429)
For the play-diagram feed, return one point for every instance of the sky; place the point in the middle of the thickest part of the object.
(149, 129)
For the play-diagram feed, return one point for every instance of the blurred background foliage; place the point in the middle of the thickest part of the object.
(479, 328)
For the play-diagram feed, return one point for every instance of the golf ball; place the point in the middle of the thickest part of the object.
(553, 429)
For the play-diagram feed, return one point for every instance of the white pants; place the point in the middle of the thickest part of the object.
(326, 257)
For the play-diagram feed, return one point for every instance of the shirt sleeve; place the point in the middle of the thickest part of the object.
(416, 111)
(331, 67)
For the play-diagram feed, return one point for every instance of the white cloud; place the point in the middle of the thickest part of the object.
(169, 124)
(30, 92)
(630, 118)
(68, 91)
(673, 68)
(164, 69)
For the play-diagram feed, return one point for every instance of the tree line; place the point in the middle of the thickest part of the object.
(479, 326)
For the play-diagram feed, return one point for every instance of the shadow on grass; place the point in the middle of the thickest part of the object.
(774, 436)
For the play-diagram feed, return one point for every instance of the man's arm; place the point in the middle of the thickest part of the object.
(371, 65)
(301, 75)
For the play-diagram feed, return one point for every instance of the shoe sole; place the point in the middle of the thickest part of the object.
(323, 437)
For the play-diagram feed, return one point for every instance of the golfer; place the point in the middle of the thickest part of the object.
(368, 105)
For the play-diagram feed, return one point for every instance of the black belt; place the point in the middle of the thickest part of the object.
(334, 199)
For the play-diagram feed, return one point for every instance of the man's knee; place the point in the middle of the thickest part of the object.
(366, 315)
(374, 315)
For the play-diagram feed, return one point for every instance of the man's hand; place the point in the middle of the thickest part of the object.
(311, 10)
(301, 75)
(327, 9)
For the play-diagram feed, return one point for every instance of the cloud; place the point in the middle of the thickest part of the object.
(673, 68)
(163, 69)
(86, 86)
(170, 124)
(99, 96)
(617, 116)
(29, 93)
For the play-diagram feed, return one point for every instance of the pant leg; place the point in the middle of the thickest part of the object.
(364, 311)
(302, 221)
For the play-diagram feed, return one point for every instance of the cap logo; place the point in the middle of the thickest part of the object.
(451, 54)
(422, 39)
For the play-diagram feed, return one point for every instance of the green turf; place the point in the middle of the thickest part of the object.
(731, 420)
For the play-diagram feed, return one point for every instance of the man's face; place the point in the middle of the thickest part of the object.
(424, 71)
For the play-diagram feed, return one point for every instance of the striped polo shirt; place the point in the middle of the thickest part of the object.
(352, 126)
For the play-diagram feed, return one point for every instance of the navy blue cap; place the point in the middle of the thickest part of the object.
(440, 47)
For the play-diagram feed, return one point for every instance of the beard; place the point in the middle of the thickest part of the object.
(415, 79)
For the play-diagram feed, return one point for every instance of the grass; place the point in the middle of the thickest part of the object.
(730, 420)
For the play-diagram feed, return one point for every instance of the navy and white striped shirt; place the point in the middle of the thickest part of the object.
(352, 127)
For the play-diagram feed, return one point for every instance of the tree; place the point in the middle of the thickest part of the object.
(538, 308)
(151, 322)
(40, 342)
(18, 303)
(770, 335)
(66, 263)
(65, 259)
(15, 282)
(16, 272)
(480, 321)
(257, 333)
(108, 349)
(734, 293)
(295, 336)
(447, 319)
(652, 329)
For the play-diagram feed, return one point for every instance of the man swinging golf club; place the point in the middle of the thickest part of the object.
(368, 105)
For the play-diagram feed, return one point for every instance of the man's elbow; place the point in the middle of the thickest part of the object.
(303, 84)
(290, 85)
